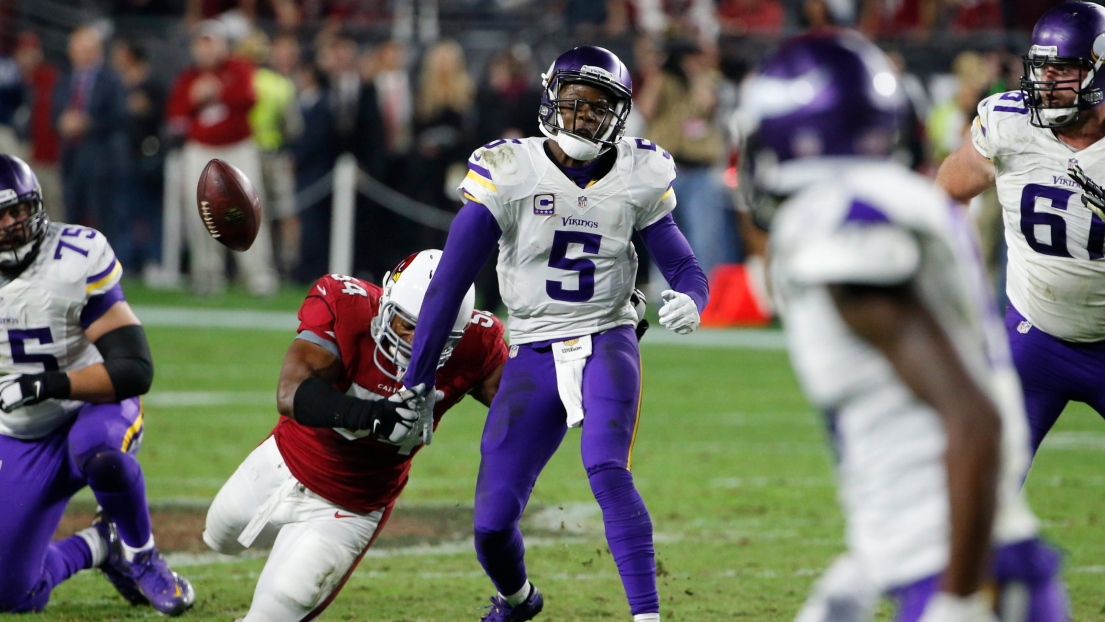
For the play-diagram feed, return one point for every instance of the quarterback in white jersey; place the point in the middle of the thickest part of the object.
(893, 336)
(562, 210)
(75, 360)
(1043, 146)
(539, 207)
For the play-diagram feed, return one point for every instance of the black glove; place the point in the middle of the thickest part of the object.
(18, 390)
(317, 404)
(393, 421)
(640, 305)
(1093, 195)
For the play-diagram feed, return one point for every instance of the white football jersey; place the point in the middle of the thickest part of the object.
(1056, 275)
(879, 224)
(40, 319)
(566, 265)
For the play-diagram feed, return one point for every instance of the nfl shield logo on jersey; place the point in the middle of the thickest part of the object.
(582, 202)
(1024, 327)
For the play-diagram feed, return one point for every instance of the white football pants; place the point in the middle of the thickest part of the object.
(315, 544)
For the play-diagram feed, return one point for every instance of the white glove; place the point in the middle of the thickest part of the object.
(419, 401)
(679, 312)
(945, 607)
(396, 424)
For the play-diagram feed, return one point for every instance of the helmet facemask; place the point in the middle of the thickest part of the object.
(404, 291)
(393, 353)
(20, 240)
(1057, 103)
(576, 142)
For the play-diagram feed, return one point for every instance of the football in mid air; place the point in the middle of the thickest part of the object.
(228, 205)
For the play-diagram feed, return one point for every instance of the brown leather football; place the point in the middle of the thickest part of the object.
(228, 205)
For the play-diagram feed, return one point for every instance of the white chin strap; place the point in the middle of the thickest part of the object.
(578, 148)
(1058, 115)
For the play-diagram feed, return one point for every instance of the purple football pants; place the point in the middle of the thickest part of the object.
(37, 479)
(526, 425)
(1054, 372)
(1029, 587)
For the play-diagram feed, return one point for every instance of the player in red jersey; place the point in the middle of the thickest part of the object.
(321, 487)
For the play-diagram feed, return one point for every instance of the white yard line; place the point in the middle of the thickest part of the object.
(207, 398)
(1074, 441)
(188, 317)
(284, 321)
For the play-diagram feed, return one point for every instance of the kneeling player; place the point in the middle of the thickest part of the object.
(70, 411)
(321, 487)
(892, 334)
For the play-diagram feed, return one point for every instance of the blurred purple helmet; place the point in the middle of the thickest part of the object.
(1070, 39)
(823, 99)
(20, 198)
(597, 67)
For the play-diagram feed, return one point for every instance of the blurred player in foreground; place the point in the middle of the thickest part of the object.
(1038, 145)
(69, 410)
(561, 209)
(321, 487)
(893, 334)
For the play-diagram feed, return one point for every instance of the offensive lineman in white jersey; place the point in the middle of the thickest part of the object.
(1042, 145)
(74, 360)
(891, 334)
(562, 209)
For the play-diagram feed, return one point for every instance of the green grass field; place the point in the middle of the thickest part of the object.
(730, 459)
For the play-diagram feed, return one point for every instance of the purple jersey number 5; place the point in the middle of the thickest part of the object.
(18, 338)
(558, 258)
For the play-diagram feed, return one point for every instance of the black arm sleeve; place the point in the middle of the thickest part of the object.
(127, 359)
(317, 404)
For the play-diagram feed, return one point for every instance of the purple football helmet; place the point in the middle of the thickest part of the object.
(823, 100)
(1062, 70)
(597, 67)
(20, 202)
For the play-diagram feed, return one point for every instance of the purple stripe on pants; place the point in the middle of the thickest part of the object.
(1054, 372)
(525, 426)
(1030, 588)
(37, 478)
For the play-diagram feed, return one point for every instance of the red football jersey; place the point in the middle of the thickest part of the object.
(354, 469)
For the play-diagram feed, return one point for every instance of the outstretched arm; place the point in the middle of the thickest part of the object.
(965, 173)
(472, 239)
(684, 303)
(673, 255)
(306, 393)
(895, 322)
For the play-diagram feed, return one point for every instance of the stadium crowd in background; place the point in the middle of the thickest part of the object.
(291, 85)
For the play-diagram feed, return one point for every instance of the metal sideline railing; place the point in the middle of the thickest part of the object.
(342, 183)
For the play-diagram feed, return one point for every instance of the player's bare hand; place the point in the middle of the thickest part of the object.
(19, 390)
(1093, 195)
(679, 312)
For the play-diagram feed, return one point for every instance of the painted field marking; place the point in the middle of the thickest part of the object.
(286, 321)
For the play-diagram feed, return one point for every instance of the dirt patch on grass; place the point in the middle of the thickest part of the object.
(179, 528)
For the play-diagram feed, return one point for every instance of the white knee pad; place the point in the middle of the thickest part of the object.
(843, 594)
